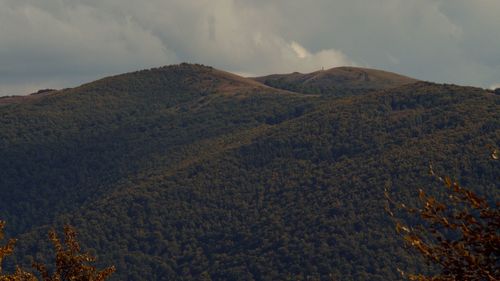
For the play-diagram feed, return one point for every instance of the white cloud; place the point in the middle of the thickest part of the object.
(77, 43)
(495, 86)
(304, 61)
(74, 40)
(301, 52)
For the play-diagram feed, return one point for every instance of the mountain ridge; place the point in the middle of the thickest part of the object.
(337, 79)
(170, 177)
(347, 77)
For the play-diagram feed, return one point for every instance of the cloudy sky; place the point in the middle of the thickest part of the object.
(63, 43)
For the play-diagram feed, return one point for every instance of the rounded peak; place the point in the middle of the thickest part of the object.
(366, 73)
(187, 76)
(337, 80)
(184, 66)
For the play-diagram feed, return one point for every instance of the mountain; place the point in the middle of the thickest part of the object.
(186, 172)
(339, 81)
(87, 137)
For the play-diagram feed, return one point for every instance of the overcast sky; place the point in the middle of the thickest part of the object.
(63, 43)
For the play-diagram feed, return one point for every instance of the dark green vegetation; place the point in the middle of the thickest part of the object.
(190, 173)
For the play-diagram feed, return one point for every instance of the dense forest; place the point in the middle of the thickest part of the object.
(186, 172)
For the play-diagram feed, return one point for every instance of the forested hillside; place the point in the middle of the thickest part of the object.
(190, 173)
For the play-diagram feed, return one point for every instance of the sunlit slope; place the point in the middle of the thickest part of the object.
(339, 81)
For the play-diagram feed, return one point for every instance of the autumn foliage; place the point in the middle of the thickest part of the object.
(71, 263)
(460, 235)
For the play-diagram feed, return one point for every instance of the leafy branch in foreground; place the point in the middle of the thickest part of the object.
(71, 263)
(460, 235)
(7, 250)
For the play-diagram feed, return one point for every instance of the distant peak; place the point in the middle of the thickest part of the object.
(337, 79)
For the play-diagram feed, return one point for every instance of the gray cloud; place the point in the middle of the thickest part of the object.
(61, 43)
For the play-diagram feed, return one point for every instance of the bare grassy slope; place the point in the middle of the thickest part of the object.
(337, 79)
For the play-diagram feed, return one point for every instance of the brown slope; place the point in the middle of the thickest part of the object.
(156, 81)
(224, 82)
(339, 78)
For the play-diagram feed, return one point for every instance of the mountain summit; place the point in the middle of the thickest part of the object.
(339, 81)
(344, 79)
